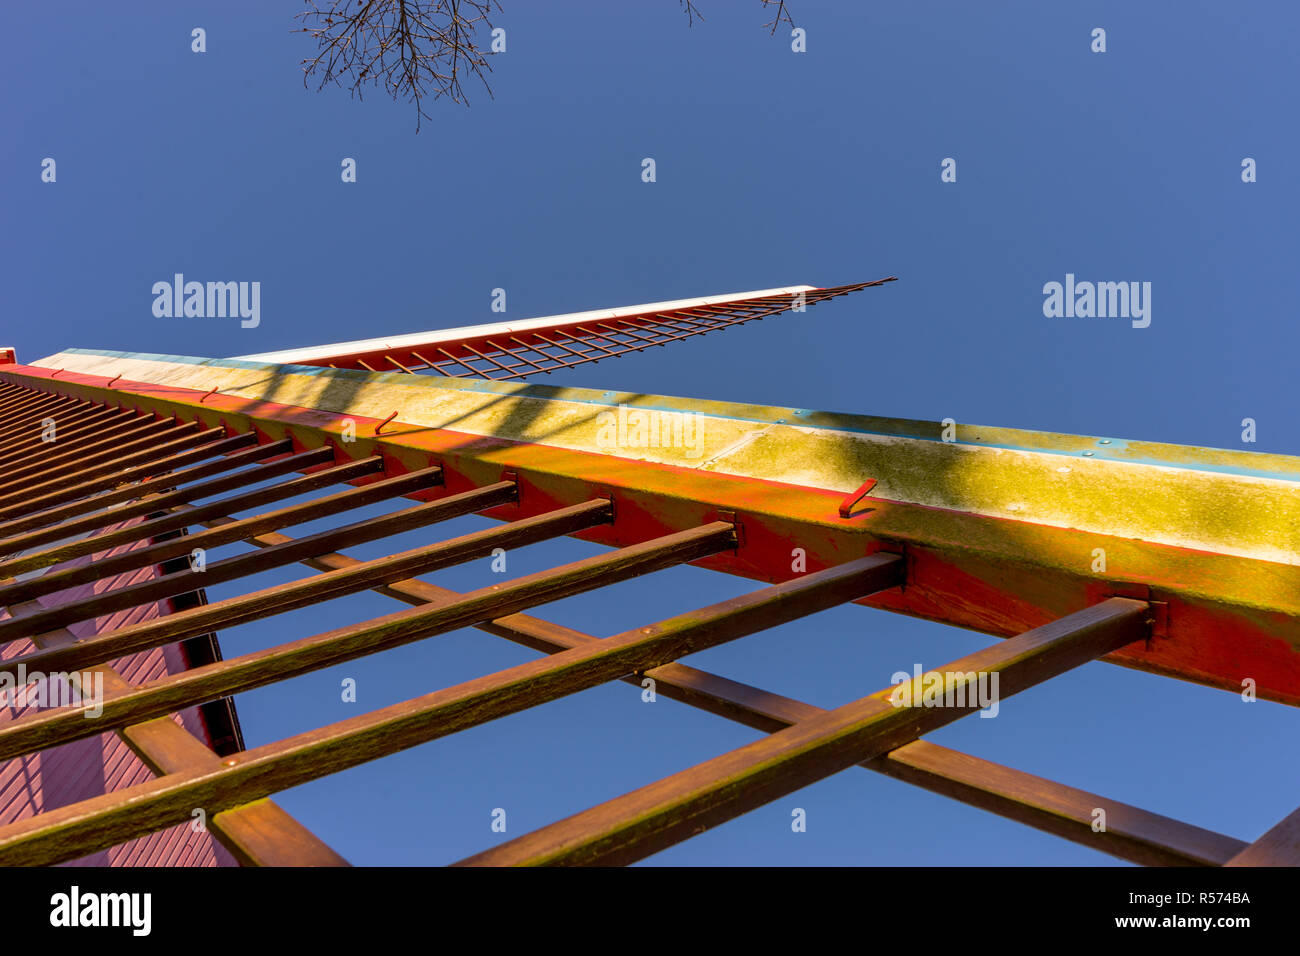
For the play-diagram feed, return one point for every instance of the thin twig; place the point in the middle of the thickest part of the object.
(415, 50)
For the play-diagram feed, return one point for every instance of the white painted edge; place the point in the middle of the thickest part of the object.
(439, 336)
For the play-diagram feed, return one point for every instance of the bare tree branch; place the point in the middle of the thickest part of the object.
(411, 49)
(418, 49)
(782, 15)
(691, 10)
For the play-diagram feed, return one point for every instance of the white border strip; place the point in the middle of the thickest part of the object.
(439, 336)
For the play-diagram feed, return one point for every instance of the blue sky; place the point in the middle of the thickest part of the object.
(773, 168)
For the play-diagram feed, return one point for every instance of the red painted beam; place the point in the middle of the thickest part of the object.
(958, 571)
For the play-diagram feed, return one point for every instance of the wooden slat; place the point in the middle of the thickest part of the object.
(32, 407)
(225, 506)
(1280, 846)
(150, 500)
(132, 431)
(115, 469)
(230, 453)
(1131, 833)
(142, 432)
(235, 566)
(175, 547)
(77, 829)
(260, 834)
(171, 455)
(1143, 837)
(69, 427)
(314, 590)
(259, 668)
(644, 821)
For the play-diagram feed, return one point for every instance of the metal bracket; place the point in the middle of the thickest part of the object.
(846, 506)
(906, 553)
(736, 524)
(513, 476)
(1159, 616)
(1159, 620)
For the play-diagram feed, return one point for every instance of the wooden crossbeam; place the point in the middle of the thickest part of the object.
(644, 821)
(140, 461)
(258, 834)
(1131, 833)
(1280, 846)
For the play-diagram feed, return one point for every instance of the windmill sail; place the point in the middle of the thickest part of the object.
(505, 351)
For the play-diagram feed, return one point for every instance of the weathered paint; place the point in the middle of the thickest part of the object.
(104, 763)
(999, 527)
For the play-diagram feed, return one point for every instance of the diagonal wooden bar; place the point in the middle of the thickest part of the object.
(1223, 590)
(1225, 587)
(362, 576)
(219, 447)
(225, 506)
(51, 440)
(259, 834)
(594, 339)
(324, 477)
(33, 406)
(152, 500)
(239, 455)
(69, 427)
(1131, 833)
(142, 432)
(63, 409)
(16, 399)
(654, 817)
(488, 358)
(11, 394)
(189, 448)
(227, 569)
(433, 365)
(77, 829)
(259, 668)
(55, 454)
(1280, 846)
(19, 502)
